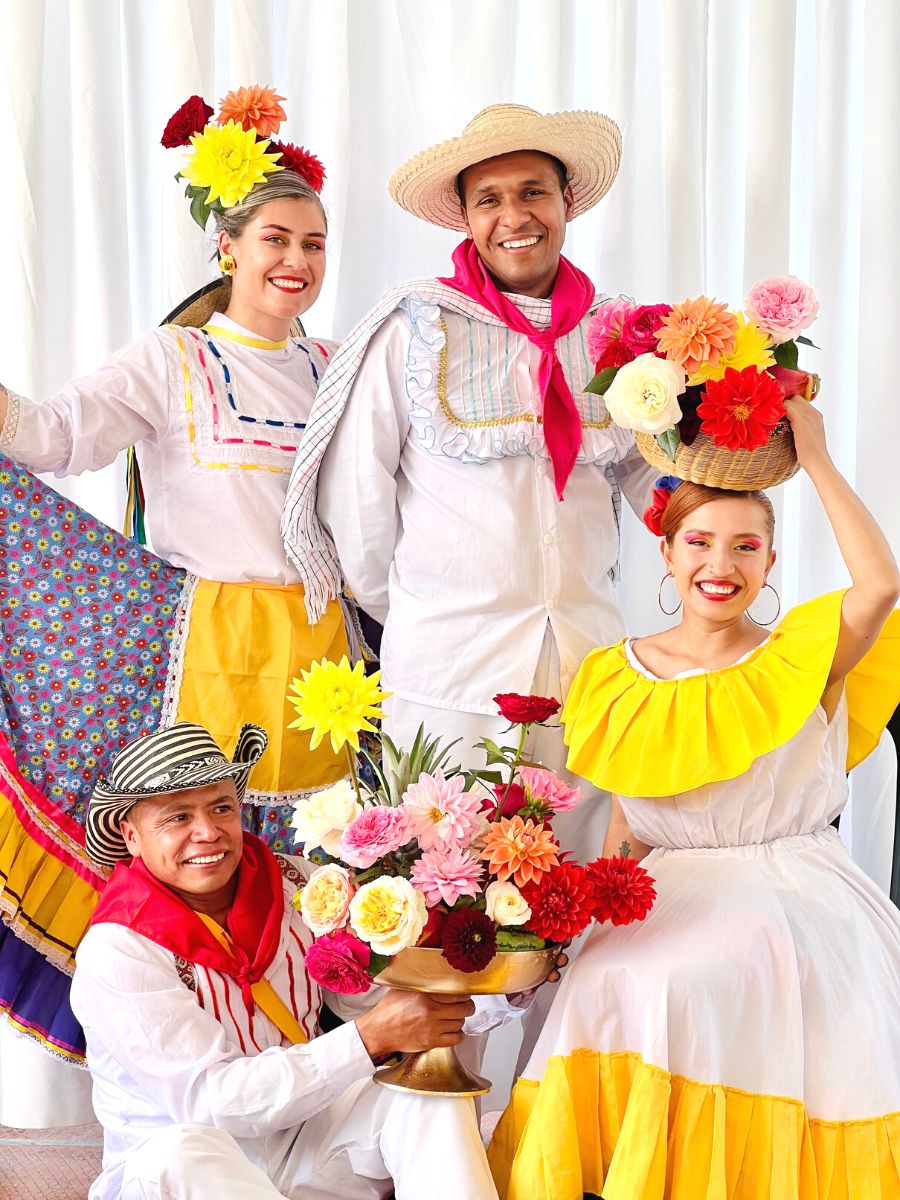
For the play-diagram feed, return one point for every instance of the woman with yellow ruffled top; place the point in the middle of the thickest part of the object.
(743, 1042)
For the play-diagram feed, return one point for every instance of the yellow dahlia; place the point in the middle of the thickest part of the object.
(696, 332)
(752, 348)
(338, 700)
(229, 161)
(253, 107)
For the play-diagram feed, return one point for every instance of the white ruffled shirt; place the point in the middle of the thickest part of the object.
(438, 493)
(216, 428)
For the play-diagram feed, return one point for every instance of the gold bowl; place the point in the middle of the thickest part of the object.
(424, 969)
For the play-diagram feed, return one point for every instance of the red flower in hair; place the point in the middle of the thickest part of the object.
(624, 891)
(301, 162)
(562, 902)
(741, 410)
(525, 710)
(470, 939)
(659, 500)
(188, 120)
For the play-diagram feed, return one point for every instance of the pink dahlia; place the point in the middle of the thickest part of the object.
(375, 832)
(445, 875)
(547, 788)
(440, 813)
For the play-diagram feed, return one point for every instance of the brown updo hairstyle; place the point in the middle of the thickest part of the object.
(690, 496)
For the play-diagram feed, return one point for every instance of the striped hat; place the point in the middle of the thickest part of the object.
(177, 759)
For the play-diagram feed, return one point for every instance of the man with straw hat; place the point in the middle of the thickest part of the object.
(455, 476)
(201, 1021)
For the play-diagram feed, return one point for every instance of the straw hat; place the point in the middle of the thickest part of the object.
(587, 143)
(197, 309)
(183, 757)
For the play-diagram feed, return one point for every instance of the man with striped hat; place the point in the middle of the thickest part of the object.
(210, 1076)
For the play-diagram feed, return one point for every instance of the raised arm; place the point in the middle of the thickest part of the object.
(875, 580)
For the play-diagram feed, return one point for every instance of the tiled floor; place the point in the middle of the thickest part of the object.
(49, 1164)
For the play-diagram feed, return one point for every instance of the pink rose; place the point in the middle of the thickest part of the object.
(338, 962)
(375, 832)
(605, 325)
(640, 328)
(782, 306)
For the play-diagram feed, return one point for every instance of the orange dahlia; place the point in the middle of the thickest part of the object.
(741, 410)
(253, 107)
(519, 850)
(697, 332)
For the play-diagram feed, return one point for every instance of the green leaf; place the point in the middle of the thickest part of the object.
(805, 341)
(199, 210)
(377, 963)
(518, 939)
(786, 355)
(599, 385)
(669, 441)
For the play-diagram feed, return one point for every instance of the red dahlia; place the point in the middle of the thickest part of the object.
(615, 354)
(470, 939)
(741, 410)
(623, 890)
(188, 120)
(562, 902)
(525, 710)
(301, 162)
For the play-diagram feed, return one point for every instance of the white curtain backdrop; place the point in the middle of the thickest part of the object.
(759, 138)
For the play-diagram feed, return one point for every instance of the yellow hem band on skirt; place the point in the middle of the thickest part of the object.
(245, 643)
(614, 1125)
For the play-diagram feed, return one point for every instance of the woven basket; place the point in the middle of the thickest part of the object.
(715, 466)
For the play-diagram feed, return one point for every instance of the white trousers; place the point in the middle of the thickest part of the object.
(369, 1143)
(581, 831)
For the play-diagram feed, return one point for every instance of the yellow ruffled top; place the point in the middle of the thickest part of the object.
(659, 737)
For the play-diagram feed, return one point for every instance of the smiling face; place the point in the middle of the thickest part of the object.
(516, 211)
(279, 265)
(720, 557)
(191, 841)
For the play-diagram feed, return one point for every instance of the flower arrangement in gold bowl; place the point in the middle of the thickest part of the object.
(435, 879)
(702, 386)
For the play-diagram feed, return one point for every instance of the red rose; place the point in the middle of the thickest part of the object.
(624, 891)
(525, 710)
(615, 354)
(434, 928)
(653, 515)
(515, 799)
(562, 902)
(301, 162)
(640, 327)
(188, 120)
(338, 961)
(470, 939)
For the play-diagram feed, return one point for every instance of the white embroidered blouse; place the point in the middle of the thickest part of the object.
(216, 415)
(438, 492)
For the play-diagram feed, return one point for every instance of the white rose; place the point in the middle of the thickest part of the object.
(644, 394)
(505, 904)
(389, 914)
(320, 819)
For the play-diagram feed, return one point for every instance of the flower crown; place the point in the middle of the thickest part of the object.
(232, 154)
(673, 372)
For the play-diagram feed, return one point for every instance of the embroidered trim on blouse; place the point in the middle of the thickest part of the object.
(231, 335)
(13, 416)
(186, 973)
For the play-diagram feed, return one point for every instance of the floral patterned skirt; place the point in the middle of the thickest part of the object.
(95, 650)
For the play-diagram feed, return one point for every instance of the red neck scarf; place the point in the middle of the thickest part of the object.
(136, 899)
(573, 295)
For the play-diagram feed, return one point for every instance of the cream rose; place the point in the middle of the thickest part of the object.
(389, 914)
(505, 904)
(644, 394)
(325, 901)
(320, 819)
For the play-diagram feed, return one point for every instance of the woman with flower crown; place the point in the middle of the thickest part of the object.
(103, 641)
(743, 1041)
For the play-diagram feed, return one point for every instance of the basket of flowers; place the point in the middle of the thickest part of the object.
(431, 878)
(703, 387)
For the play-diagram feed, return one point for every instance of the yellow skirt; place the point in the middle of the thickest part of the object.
(239, 645)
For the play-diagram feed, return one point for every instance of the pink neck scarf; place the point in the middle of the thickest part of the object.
(573, 294)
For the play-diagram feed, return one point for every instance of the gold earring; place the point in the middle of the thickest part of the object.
(227, 264)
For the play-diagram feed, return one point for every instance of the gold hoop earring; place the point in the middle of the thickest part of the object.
(777, 610)
(659, 598)
(227, 264)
